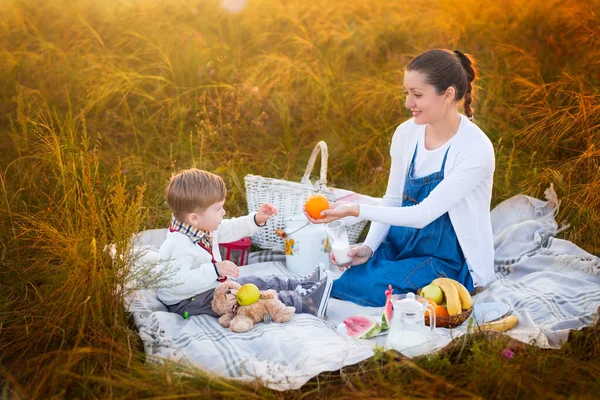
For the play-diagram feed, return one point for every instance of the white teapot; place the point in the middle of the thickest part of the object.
(408, 333)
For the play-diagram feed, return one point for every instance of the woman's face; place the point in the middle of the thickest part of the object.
(422, 99)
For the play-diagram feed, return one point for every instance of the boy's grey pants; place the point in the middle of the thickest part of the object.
(287, 291)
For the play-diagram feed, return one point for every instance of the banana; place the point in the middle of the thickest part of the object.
(451, 294)
(501, 325)
(465, 297)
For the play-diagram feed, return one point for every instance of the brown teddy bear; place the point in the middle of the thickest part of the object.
(242, 318)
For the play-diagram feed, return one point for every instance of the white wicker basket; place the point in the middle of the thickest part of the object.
(289, 198)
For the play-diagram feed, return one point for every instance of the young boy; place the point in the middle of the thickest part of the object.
(191, 250)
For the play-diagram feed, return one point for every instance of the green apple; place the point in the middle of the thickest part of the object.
(248, 294)
(433, 292)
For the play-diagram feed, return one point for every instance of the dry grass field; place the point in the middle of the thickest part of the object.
(101, 101)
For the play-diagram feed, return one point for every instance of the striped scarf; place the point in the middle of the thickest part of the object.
(204, 238)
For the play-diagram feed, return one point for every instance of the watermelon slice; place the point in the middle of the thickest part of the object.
(361, 326)
(386, 316)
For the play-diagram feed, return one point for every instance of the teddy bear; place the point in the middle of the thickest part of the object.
(242, 318)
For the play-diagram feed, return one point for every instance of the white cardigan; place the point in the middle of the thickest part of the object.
(465, 193)
(189, 268)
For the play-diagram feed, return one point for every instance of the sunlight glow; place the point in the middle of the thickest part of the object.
(234, 6)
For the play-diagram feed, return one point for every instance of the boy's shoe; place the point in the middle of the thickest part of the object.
(315, 275)
(315, 298)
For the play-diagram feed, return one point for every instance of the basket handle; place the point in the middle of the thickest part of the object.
(322, 182)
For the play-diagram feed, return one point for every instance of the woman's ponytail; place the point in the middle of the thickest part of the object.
(466, 63)
(444, 68)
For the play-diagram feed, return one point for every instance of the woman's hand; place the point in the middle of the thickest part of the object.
(337, 210)
(360, 255)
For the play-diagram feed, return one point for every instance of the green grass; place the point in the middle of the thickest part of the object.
(100, 102)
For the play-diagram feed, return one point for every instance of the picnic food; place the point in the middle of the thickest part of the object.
(240, 318)
(386, 316)
(315, 203)
(456, 305)
(433, 292)
(247, 294)
(465, 297)
(451, 294)
(440, 310)
(361, 326)
(456, 296)
(501, 325)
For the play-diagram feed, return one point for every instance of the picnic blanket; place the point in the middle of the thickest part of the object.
(551, 285)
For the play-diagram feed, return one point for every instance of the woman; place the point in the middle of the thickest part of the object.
(434, 219)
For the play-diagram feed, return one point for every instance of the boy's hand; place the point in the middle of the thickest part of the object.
(265, 212)
(227, 268)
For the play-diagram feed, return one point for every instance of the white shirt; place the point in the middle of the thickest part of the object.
(465, 194)
(428, 162)
(190, 270)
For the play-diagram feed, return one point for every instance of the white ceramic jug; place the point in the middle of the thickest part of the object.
(408, 333)
(306, 244)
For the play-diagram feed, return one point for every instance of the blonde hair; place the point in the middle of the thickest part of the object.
(194, 190)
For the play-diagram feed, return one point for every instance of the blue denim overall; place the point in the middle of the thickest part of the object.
(409, 258)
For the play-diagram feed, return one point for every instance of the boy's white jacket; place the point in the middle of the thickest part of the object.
(189, 268)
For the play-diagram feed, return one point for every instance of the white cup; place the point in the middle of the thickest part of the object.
(338, 241)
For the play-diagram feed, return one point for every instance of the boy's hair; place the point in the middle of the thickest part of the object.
(194, 189)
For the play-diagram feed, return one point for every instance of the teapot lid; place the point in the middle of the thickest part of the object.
(409, 305)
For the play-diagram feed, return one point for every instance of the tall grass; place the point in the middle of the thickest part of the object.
(101, 101)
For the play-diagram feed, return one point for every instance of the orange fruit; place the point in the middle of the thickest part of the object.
(433, 304)
(315, 203)
(441, 311)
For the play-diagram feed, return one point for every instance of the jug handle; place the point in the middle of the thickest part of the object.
(431, 320)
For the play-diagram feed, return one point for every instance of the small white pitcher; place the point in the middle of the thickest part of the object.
(408, 332)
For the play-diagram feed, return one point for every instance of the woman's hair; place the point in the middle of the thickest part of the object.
(193, 189)
(445, 68)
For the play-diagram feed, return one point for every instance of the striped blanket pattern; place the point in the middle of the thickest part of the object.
(551, 285)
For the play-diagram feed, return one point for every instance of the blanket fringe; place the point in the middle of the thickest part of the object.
(552, 197)
(553, 200)
(154, 338)
(588, 265)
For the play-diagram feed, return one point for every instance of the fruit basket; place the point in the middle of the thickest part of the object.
(451, 321)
